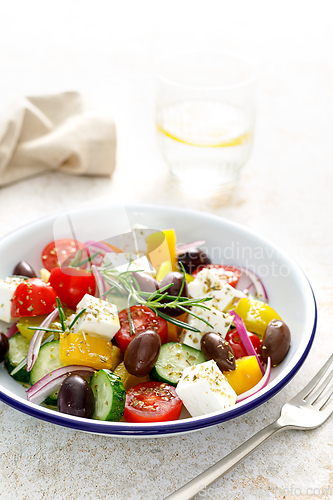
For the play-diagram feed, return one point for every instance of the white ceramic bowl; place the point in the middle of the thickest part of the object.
(289, 292)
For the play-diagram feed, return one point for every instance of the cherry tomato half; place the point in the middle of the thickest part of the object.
(230, 274)
(71, 284)
(59, 251)
(33, 297)
(152, 402)
(237, 345)
(143, 319)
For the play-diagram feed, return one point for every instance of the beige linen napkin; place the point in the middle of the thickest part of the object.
(55, 132)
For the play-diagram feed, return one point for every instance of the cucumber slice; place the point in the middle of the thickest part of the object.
(172, 360)
(47, 361)
(18, 350)
(110, 396)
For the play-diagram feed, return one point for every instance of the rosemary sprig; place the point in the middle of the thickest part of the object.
(77, 262)
(63, 320)
(157, 301)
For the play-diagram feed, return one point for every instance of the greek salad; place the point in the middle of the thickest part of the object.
(113, 335)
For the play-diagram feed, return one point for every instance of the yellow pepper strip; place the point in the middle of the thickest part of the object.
(161, 248)
(256, 315)
(127, 379)
(246, 375)
(83, 349)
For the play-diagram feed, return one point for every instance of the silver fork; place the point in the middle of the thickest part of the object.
(308, 410)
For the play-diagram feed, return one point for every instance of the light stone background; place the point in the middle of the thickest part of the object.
(285, 192)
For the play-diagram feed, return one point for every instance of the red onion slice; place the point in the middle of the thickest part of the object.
(189, 246)
(99, 282)
(260, 385)
(37, 338)
(99, 245)
(52, 382)
(12, 331)
(239, 324)
(248, 279)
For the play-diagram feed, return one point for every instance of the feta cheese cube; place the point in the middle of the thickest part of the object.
(100, 318)
(208, 284)
(7, 289)
(128, 262)
(219, 320)
(204, 389)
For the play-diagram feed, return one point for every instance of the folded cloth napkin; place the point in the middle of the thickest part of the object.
(55, 132)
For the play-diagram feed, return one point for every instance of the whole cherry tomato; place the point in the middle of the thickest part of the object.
(143, 319)
(152, 402)
(33, 297)
(237, 345)
(60, 251)
(230, 274)
(72, 284)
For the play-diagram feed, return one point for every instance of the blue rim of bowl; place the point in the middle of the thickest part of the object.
(123, 429)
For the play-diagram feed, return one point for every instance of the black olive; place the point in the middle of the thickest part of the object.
(142, 353)
(24, 269)
(214, 347)
(276, 342)
(145, 282)
(193, 258)
(76, 397)
(177, 279)
(4, 347)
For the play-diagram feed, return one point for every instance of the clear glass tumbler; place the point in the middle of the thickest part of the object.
(205, 108)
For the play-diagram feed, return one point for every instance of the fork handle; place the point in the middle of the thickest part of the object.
(192, 488)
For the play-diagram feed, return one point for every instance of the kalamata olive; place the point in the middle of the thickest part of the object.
(177, 279)
(193, 259)
(214, 347)
(142, 353)
(4, 347)
(24, 269)
(146, 283)
(76, 397)
(276, 342)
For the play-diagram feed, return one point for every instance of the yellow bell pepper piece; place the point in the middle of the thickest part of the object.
(189, 277)
(161, 249)
(256, 315)
(45, 274)
(246, 375)
(24, 323)
(117, 356)
(165, 268)
(82, 349)
(127, 379)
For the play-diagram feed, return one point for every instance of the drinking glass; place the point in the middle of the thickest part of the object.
(205, 108)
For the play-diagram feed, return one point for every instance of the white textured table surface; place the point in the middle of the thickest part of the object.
(285, 193)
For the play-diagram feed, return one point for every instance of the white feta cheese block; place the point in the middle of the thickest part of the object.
(204, 389)
(7, 289)
(128, 262)
(219, 320)
(208, 284)
(100, 318)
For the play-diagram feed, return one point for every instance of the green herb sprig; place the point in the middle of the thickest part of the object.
(63, 323)
(126, 283)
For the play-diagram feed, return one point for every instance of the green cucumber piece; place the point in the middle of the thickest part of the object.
(110, 396)
(172, 360)
(18, 350)
(47, 361)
